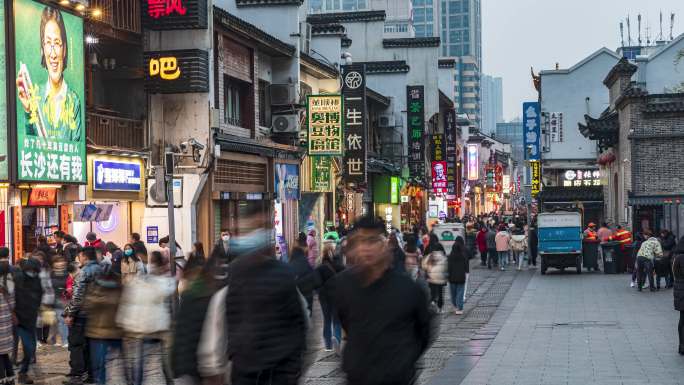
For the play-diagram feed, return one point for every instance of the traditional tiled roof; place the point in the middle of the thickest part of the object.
(318, 68)
(328, 29)
(562, 194)
(346, 42)
(652, 108)
(605, 129)
(631, 92)
(380, 67)
(411, 42)
(346, 17)
(623, 67)
(251, 32)
(245, 3)
(446, 63)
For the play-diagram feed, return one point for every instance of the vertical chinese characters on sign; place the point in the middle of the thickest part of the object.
(415, 104)
(50, 97)
(531, 125)
(324, 116)
(473, 162)
(354, 102)
(556, 126)
(320, 174)
(439, 177)
(160, 8)
(535, 167)
(450, 156)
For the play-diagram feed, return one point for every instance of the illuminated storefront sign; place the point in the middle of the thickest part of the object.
(324, 115)
(355, 121)
(415, 100)
(116, 176)
(532, 124)
(42, 197)
(579, 178)
(394, 190)
(473, 162)
(439, 177)
(535, 167)
(174, 14)
(177, 71)
(506, 184)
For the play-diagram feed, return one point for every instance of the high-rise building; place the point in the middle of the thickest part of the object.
(512, 132)
(460, 29)
(492, 103)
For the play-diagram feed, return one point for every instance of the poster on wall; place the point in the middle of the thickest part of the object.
(287, 181)
(50, 94)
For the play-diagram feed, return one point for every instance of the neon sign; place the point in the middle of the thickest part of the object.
(165, 67)
(159, 8)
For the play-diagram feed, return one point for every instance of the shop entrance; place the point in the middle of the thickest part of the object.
(238, 215)
(38, 221)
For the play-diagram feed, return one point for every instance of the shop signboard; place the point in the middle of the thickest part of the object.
(324, 118)
(579, 178)
(164, 15)
(3, 98)
(176, 71)
(473, 159)
(532, 127)
(450, 152)
(535, 167)
(439, 177)
(50, 94)
(320, 174)
(556, 126)
(42, 197)
(116, 176)
(18, 233)
(415, 102)
(355, 123)
(437, 147)
(394, 190)
(287, 181)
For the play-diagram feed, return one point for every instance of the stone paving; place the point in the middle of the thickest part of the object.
(581, 329)
(486, 290)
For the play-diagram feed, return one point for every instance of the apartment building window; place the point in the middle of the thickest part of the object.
(237, 102)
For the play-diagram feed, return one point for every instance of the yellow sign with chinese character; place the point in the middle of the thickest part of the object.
(324, 117)
(535, 170)
(165, 67)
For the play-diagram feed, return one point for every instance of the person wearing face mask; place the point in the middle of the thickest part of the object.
(264, 305)
(222, 248)
(29, 293)
(131, 265)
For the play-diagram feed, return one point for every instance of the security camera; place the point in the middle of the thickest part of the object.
(195, 144)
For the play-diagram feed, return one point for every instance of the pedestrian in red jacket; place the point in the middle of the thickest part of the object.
(481, 241)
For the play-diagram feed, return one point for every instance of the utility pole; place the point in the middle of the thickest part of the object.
(169, 167)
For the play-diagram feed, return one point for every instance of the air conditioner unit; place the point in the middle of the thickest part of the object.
(156, 196)
(386, 121)
(285, 124)
(283, 94)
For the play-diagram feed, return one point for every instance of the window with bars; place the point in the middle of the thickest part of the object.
(238, 102)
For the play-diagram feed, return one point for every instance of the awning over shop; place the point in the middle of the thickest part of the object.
(264, 147)
(559, 194)
(655, 200)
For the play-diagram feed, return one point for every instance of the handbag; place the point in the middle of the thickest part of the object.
(48, 316)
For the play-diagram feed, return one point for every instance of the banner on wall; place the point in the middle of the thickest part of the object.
(50, 94)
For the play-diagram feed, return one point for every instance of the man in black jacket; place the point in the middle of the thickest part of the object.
(265, 318)
(28, 292)
(384, 312)
(222, 248)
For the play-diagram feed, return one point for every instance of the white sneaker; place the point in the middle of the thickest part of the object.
(66, 346)
(632, 284)
(458, 312)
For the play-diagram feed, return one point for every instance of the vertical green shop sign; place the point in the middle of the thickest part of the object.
(320, 174)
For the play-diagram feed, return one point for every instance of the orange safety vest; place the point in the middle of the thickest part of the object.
(622, 236)
(590, 235)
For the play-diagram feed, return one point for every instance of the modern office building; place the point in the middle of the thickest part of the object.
(492, 103)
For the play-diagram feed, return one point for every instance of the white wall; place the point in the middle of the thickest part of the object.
(662, 72)
(566, 92)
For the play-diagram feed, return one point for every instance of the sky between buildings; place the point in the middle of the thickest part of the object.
(518, 34)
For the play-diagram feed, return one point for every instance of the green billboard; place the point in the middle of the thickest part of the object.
(50, 94)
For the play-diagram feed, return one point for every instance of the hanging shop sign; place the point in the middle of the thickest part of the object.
(498, 178)
(164, 15)
(578, 178)
(531, 119)
(355, 126)
(18, 232)
(116, 176)
(42, 197)
(324, 116)
(535, 171)
(321, 180)
(50, 94)
(287, 181)
(473, 159)
(506, 184)
(556, 126)
(489, 177)
(395, 187)
(415, 102)
(3, 102)
(439, 177)
(450, 152)
(437, 147)
(176, 71)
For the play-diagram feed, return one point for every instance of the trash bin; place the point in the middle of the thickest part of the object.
(611, 254)
(590, 254)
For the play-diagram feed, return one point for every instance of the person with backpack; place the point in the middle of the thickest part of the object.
(518, 244)
(502, 240)
(436, 267)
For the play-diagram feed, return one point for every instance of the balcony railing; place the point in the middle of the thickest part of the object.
(119, 14)
(112, 131)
